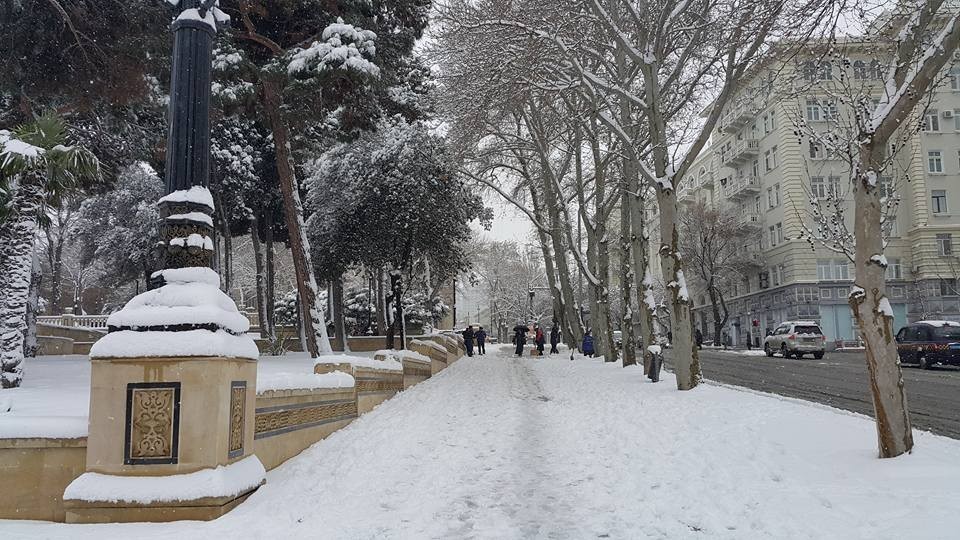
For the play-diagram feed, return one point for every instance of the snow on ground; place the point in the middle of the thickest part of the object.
(741, 352)
(499, 447)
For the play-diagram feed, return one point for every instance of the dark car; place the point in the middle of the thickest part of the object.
(930, 342)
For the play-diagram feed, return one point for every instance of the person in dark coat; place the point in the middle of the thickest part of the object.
(554, 338)
(468, 339)
(539, 339)
(481, 337)
(587, 347)
(699, 339)
(519, 338)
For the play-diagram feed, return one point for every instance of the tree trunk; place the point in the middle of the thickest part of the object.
(271, 280)
(641, 262)
(574, 329)
(873, 314)
(339, 321)
(396, 286)
(30, 345)
(556, 295)
(626, 284)
(259, 279)
(381, 311)
(226, 263)
(16, 243)
(717, 318)
(313, 320)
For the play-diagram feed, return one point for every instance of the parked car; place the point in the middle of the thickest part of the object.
(929, 342)
(618, 338)
(796, 338)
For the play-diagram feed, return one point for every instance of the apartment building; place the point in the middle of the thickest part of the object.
(758, 164)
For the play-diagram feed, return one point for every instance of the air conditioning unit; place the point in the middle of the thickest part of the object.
(948, 114)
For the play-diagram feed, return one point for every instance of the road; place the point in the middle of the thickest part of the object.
(840, 380)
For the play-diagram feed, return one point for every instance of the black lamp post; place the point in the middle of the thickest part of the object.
(186, 230)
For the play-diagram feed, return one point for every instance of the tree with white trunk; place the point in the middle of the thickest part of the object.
(880, 113)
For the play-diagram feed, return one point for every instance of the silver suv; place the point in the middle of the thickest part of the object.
(796, 338)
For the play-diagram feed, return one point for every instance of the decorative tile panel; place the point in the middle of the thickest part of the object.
(152, 430)
(369, 385)
(238, 406)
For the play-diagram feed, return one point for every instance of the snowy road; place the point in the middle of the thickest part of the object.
(497, 447)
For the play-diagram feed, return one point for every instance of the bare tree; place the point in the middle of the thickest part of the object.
(919, 38)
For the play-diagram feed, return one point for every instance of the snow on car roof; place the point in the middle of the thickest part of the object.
(939, 324)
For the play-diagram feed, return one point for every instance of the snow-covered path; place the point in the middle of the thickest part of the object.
(499, 447)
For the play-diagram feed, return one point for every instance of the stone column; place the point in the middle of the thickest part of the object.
(173, 383)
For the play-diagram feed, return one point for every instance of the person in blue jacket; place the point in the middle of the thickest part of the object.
(587, 347)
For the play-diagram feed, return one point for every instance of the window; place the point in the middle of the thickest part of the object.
(931, 120)
(769, 197)
(767, 124)
(945, 244)
(773, 236)
(948, 287)
(830, 111)
(756, 168)
(892, 229)
(816, 151)
(955, 78)
(894, 269)
(938, 200)
(859, 70)
(808, 70)
(773, 120)
(826, 293)
(824, 270)
(767, 167)
(817, 187)
(886, 187)
(876, 70)
(825, 71)
(775, 275)
(833, 186)
(841, 269)
(773, 156)
(779, 229)
(757, 208)
(934, 161)
(776, 194)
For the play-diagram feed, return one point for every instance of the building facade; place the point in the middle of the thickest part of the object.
(761, 163)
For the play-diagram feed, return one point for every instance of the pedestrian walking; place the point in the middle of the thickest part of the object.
(554, 338)
(481, 337)
(699, 336)
(587, 347)
(468, 339)
(539, 339)
(519, 338)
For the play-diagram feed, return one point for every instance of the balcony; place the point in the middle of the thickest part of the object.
(738, 116)
(741, 152)
(742, 186)
(686, 195)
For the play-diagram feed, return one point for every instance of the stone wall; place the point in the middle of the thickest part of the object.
(35, 472)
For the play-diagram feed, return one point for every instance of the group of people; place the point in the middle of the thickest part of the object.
(539, 338)
(469, 336)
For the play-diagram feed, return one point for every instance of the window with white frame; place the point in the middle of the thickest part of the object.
(825, 71)
(779, 229)
(817, 187)
(773, 156)
(859, 69)
(876, 70)
(756, 168)
(769, 197)
(931, 120)
(773, 119)
(757, 208)
(775, 275)
(809, 70)
(934, 161)
(841, 269)
(945, 244)
(892, 227)
(813, 110)
(833, 186)
(955, 78)
(766, 124)
(773, 236)
(938, 201)
(824, 269)
(776, 194)
(886, 187)
(830, 110)
(766, 162)
(894, 269)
